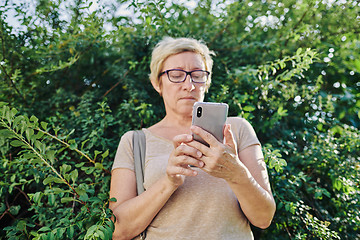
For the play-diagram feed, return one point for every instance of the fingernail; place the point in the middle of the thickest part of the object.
(199, 154)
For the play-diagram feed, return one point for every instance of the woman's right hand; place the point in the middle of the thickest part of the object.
(181, 157)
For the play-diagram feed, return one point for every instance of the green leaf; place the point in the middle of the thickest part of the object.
(34, 119)
(14, 210)
(44, 229)
(99, 166)
(84, 197)
(73, 144)
(70, 232)
(105, 154)
(298, 51)
(65, 168)
(51, 199)
(44, 125)
(52, 179)
(13, 112)
(74, 175)
(21, 225)
(249, 108)
(16, 143)
(50, 155)
(2, 207)
(67, 199)
(5, 133)
(96, 153)
(59, 190)
(37, 197)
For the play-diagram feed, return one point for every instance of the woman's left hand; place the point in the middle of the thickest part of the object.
(221, 159)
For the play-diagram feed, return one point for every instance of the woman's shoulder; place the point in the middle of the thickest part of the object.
(241, 125)
(128, 135)
(237, 121)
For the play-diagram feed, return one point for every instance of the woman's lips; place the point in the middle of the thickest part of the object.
(188, 98)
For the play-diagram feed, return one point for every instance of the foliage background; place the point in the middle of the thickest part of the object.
(74, 78)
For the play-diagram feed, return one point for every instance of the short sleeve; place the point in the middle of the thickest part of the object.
(124, 157)
(244, 133)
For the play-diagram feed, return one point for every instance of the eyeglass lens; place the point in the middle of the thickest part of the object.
(198, 76)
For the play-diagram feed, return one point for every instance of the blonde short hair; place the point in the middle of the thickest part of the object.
(170, 46)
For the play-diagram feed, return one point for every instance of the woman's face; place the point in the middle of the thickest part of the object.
(179, 98)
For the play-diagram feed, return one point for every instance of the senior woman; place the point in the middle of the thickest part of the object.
(227, 185)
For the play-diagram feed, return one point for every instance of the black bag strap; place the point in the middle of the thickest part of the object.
(139, 149)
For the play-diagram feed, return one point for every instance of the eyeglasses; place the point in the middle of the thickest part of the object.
(179, 75)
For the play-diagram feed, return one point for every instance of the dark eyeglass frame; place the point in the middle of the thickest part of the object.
(187, 73)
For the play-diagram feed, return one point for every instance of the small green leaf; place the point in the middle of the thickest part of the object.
(44, 125)
(96, 153)
(50, 155)
(298, 51)
(5, 133)
(52, 179)
(37, 197)
(67, 199)
(21, 225)
(44, 229)
(2, 207)
(16, 143)
(105, 154)
(65, 168)
(14, 210)
(99, 166)
(74, 174)
(84, 197)
(51, 199)
(34, 119)
(249, 108)
(13, 112)
(70, 232)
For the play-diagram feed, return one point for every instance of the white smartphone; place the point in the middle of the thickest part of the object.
(211, 117)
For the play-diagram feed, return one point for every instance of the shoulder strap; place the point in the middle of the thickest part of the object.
(139, 149)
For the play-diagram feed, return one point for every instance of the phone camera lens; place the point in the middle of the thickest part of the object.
(199, 112)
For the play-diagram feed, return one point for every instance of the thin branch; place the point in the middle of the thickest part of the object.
(25, 195)
(116, 84)
(28, 145)
(66, 144)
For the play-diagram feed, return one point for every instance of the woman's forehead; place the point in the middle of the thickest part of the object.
(184, 59)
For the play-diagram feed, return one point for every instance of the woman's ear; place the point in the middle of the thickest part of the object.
(156, 85)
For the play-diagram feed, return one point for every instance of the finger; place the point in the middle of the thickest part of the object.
(184, 160)
(200, 147)
(186, 149)
(229, 137)
(208, 137)
(179, 170)
(182, 138)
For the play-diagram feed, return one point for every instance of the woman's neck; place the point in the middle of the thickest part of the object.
(169, 127)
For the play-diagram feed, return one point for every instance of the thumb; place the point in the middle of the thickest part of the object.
(229, 137)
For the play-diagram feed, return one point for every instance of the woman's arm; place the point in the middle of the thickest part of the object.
(245, 172)
(134, 213)
(252, 188)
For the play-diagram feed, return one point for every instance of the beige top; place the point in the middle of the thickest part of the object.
(204, 207)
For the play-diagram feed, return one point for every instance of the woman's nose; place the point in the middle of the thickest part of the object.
(189, 84)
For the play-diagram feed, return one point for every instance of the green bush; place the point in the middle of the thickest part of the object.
(72, 87)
